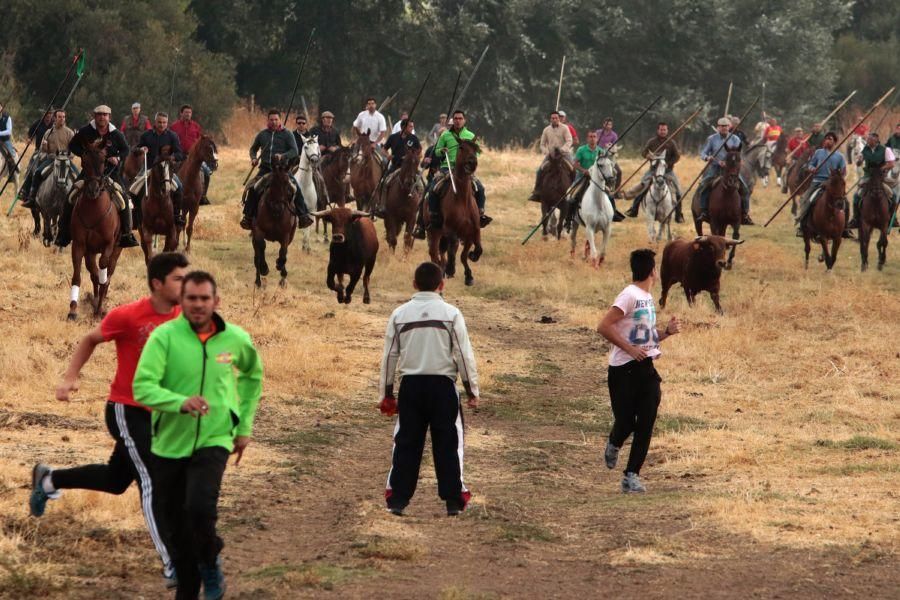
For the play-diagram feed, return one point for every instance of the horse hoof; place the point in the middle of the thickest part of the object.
(728, 266)
(880, 266)
(72, 317)
(346, 299)
(821, 258)
(282, 283)
(367, 300)
(470, 280)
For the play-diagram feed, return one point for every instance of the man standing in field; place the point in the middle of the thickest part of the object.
(634, 391)
(427, 344)
(201, 414)
(128, 423)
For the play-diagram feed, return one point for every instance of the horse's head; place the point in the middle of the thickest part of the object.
(732, 168)
(162, 169)
(93, 159)
(658, 167)
(361, 148)
(208, 152)
(311, 148)
(467, 156)
(61, 169)
(340, 218)
(836, 186)
(606, 166)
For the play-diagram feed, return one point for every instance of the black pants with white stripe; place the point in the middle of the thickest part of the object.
(130, 461)
(427, 401)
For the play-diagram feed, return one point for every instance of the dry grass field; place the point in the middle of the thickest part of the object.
(774, 471)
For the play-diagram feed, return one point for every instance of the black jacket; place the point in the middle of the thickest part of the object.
(327, 138)
(154, 142)
(114, 143)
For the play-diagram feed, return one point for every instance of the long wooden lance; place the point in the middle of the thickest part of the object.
(468, 82)
(561, 200)
(453, 95)
(728, 99)
(293, 94)
(830, 154)
(706, 166)
(562, 68)
(822, 122)
(15, 168)
(387, 101)
(664, 142)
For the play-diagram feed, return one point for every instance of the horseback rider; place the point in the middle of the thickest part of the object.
(328, 135)
(189, 133)
(655, 145)
(437, 129)
(816, 138)
(736, 130)
(116, 149)
(875, 156)
(35, 133)
(301, 131)
(797, 141)
(565, 121)
(56, 139)
(6, 146)
(445, 152)
(556, 136)
(821, 165)
(151, 143)
(606, 139)
(397, 145)
(134, 126)
(585, 158)
(371, 122)
(894, 141)
(274, 143)
(714, 152)
(397, 126)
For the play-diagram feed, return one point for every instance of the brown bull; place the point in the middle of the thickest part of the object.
(354, 247)
(695, 264)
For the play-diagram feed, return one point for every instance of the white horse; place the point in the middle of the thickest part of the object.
(4, 173)
(309, 162)
(854, 152)
(596, 212)
(658, 200)
(52, 193)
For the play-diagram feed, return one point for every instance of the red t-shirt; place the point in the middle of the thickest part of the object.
(129, 326)
(188, 134)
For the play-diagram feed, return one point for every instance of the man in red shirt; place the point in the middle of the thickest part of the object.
(189, 131)
(128, 422)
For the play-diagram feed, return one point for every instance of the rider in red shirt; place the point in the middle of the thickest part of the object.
(128, 423)
(189, 131)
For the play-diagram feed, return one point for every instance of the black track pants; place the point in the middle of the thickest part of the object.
(634, 393)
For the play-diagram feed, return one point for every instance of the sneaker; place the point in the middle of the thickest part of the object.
(246, 223)
(397, 512)
(454, 507)
(419, 233)
(746, 220)
(213, 581)
(37, 503)
(618, 217)
(631, 484)
(127, 240)
(171, 581)
(611, 454)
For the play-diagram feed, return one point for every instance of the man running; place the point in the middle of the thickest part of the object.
(656, 145)
(189, 133)
(427, 344)
(202, 413)
(128, 422)
(634, 393)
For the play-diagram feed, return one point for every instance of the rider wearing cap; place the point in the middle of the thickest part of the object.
(327, 134)
(135, 125)
(715, 151)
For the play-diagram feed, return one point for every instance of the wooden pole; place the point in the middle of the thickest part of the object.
(562, 69)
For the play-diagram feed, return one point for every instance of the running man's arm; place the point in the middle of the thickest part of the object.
(151, 369)
(83, 352)
(465, 360)
(673, 327)
(249, 387)
(606, 329)
(389, 360)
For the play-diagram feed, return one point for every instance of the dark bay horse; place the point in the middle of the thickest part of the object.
(461, 220)
(555, 181)
(95, 232)
(365, 171)
(401, 201)
(335, 173)
(724, 203)
(874, 213)
(157, 209)
(825, 220)
(275, 222)
(779, 155)
(796, 179)
(203, 151)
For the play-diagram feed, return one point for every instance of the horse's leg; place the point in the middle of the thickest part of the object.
(77, 257)
(146, 244)
(882, 249)
(408, 239)
(450, 260)
(807, 246)
(281, 263)
(546, 220)
(259, 259)
(835, 244)
(573, 237)
(171, 243)
(103, 279)
(434, 248)
(826, 256)
(592, 244)
(390, 231)
(90, 262)
(370, 266)
(189, 230)
(735, 235)
(606, 234)
(464, 257)
(864, 234)
(36, 215)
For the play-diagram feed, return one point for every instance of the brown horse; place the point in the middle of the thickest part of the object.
(724, 203)
(796, 182)
(204, 151)
(157, 210)
(134, 163)
(401, 201)
(779, 155)
(874, 213)
(334, 172)
(95, 232)
(555, 181)
(825, 220)
(461, 220)
(365, 171)
(275, 222)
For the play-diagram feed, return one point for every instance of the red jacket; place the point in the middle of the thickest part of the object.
(188, 133)
(794, 142)
(574, 134)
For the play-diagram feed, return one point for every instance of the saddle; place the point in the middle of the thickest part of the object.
(115, 192)
(260, 184)
(137, 186)
(567, 164)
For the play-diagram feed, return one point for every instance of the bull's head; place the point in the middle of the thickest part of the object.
(713, 248)
(340, 219)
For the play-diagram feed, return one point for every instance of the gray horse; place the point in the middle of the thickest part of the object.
(53, 193)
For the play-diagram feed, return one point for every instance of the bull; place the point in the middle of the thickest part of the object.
(353, 249)
(697, 265)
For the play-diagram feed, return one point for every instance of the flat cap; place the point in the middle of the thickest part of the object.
(328, 113)
(724, 121)
(103, 109)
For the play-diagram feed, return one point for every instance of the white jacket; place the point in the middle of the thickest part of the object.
(427, 336)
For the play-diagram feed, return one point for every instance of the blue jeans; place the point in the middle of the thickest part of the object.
(434, 203)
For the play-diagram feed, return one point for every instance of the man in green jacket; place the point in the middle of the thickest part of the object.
(202, 413)
(274, 144)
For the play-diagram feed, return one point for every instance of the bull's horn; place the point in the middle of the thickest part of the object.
(733, 242)
(700, 238)
(361, 213)
(320, 213)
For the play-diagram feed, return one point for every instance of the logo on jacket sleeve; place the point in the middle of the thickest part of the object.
(224, 358)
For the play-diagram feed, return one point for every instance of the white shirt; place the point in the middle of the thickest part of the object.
(373, 123)
(396, 127)
(427, 336)
(638, 326)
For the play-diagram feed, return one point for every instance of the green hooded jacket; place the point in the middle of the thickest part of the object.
(176, 365)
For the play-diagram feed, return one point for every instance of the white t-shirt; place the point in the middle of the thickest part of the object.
(638, 326)
(373, 123)
(396, 127)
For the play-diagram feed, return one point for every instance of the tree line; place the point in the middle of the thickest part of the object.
(620, 54)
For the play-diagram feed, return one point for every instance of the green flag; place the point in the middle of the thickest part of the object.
(79, 68)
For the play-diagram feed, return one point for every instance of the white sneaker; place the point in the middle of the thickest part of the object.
(778, 180)
(631, 484)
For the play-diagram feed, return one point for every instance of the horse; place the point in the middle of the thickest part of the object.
(134, 164)
(555, 181)
(461, 219)
(95, 232)
(335, 175)
(854, 150)
(779, 156)
(401, 201)
(755, 164)
(797, 181)
(52, 194)
(5, 169)
(724, 203)
(191, 176)
(874, 213)
(659, 200)
(596, 209)
(310, 154)
(157, 209)
(275, 222)
(365, 171)
(825, 219)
